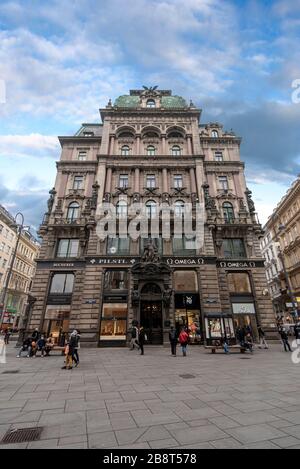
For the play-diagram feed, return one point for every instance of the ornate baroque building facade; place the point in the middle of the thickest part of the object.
(282, 234)
(150, 148)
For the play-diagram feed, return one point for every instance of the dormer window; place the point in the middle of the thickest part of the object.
(88, 134)
(150, 103)
(125, 150)
(214, 134)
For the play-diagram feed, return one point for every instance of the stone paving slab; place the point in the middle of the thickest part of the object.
(118, 399)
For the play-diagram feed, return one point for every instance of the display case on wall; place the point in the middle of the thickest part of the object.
(218, 327)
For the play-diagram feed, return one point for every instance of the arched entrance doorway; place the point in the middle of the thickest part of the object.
(151, 313)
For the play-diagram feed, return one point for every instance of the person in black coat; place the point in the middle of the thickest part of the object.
(285, 339)
(142, 339)
(297, 330)
(173, 340)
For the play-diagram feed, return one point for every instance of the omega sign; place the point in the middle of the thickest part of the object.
(238, 265)
(185, 261)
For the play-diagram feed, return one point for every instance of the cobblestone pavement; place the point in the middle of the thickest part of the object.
(117, 398)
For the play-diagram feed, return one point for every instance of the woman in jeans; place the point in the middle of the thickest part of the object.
(183, 340)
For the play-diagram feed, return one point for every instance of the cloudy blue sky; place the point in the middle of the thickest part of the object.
(62, 60)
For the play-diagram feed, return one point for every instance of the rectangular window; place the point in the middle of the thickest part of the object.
(116, 280)
(223, 183)
(234, 248)
(218, 156)
(82, 155)
(238, 282)
(62, 283)
(4, 263)
(150, 181)
(78, 182)
(183, 246)
(68, 248)
(123, 180)
(2, 246)
(118, 246)
(178, 182)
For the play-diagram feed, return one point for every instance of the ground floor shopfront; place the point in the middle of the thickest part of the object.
(103, 297)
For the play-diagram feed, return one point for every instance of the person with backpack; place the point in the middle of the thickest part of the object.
(134, 338)
(173, 340)
(183, 340)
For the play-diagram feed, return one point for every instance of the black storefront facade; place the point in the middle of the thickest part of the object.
(155, 295)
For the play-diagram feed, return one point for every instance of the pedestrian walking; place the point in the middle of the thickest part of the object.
(69, 351)
(262, 338)
(77, 347)
(285, 339)
(134, 338)
(173, 340)
(73, 344)
(183, 340)
(240, 335)
(6, 336)
(297, 332)
(142, 339)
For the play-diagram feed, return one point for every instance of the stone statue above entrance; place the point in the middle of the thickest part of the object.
(150, 253)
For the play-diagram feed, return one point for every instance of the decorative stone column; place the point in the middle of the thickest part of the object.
(163, 141)
(189, 145)
(138, 145)
(112, 145)
(107, 193)
(165, 185)
(136, 194)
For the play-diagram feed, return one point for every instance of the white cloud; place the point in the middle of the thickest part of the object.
(29, 145)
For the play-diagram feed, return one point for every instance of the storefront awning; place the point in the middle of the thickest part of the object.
(218, 315)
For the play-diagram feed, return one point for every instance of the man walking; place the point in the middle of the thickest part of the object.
(142, 339)
(262, 339)
(173, 340)
(285, 339)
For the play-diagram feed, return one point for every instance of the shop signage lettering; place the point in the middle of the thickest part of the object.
(63, 264)
(238, 265)
(112, 260)
(185, 261)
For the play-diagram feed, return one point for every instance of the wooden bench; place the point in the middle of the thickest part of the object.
(231, 348)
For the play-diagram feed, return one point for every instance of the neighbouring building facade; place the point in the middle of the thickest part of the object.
(150, 149)
(282, 231)
(23, 269)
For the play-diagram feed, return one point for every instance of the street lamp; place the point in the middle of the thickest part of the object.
(286, 276)
(20, 227)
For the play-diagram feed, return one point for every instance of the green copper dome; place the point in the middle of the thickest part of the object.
(167, 102)
(127, 101)
(173, 102)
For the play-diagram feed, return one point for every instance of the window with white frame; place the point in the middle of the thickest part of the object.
(78, 182)
(150, 181)
(82, 154)
(218, 156)
(223, 183)
(123, 180)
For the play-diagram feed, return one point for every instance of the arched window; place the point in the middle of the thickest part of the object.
(125, 150)
(73, 211)
(179, 208)
(228, 212)
(176, 151)
(150, 103)
(150, 150)
(151, 208)
(214, 134)
(122, 208)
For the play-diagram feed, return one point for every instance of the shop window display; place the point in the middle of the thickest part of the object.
(113, 322)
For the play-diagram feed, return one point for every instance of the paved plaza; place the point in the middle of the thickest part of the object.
(117, 398)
